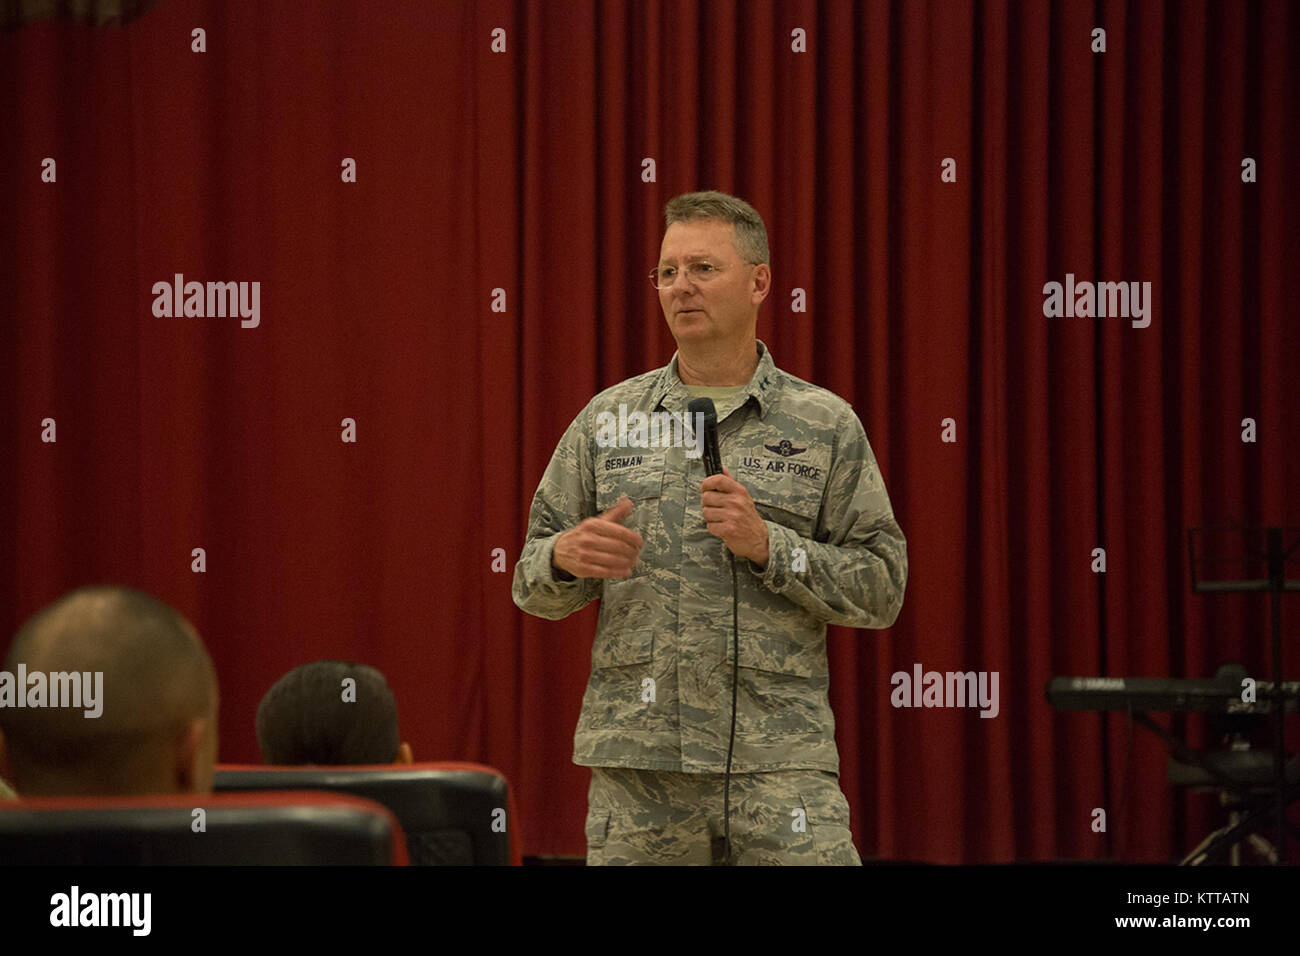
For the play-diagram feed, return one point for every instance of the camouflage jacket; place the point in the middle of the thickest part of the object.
(659, 696)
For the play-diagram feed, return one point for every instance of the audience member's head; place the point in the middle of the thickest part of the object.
(148, 725)
(330, 713)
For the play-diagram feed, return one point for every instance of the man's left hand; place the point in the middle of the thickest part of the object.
(730, 514)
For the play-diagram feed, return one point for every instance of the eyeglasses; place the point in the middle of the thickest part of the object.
(698, 272)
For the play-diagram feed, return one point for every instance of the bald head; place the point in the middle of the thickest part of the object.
(156, 729)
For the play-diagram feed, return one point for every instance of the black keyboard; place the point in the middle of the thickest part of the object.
(1166, 694)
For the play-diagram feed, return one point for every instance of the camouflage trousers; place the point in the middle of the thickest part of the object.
(784, 817)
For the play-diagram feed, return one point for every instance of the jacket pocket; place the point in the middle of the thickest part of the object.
(643, 483)
(782, 687)
(777, 654)
(618, 648)
(788, 502)
(640, 481)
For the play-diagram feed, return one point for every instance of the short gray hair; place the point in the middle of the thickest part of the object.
(751, 234)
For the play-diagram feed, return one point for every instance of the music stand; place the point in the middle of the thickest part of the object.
(1275, 555)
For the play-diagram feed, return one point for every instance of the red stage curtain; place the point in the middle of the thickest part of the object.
(522, 171)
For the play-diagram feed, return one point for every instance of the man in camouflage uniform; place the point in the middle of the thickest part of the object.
(625, 513)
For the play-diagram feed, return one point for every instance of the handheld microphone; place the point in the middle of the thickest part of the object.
(712, 458)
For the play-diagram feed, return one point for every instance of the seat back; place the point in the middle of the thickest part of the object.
(306, 829)
(453, 813)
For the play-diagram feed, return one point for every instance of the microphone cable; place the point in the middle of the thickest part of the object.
(706, 415)
(735, 680)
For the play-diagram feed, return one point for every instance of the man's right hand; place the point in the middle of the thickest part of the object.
(600, 547)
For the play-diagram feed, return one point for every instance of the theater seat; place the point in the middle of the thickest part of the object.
(450, 811)
(307, 829)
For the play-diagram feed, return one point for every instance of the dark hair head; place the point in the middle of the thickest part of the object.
(312, 715)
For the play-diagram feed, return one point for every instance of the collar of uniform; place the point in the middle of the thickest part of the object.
(763, 384)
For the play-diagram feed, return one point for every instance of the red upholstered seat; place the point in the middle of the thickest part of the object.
(452, 812)
(283, 828)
